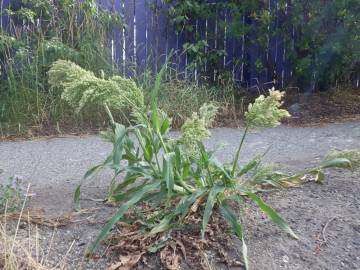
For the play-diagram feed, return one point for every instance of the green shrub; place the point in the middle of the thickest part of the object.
(176, 97)
(11, 196)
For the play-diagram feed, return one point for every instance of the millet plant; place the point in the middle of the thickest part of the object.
(171, 175)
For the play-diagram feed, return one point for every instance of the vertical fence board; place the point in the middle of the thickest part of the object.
(141, 28)
(171, 44)
(4, 20)
(202, 36)
(212, 45)
(220, 35)
(151, 34)
(129, 37)
(117, 36)
(162, 23)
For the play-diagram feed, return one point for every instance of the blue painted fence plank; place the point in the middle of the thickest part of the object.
(141, 28)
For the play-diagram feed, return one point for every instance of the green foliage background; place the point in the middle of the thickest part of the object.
(326, 48)
(41, 32)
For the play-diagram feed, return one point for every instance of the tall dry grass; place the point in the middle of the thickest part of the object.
(22, 249)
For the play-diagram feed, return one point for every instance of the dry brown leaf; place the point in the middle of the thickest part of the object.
(126, 262)
(185, 244)
(182, 247)
(38, 216)
(196, 204)
(169, 258)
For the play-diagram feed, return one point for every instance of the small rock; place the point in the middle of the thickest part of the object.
(285, 259)
(294, 108)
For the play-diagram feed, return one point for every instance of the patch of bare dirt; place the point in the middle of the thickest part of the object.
(307, 109)
(323, 107)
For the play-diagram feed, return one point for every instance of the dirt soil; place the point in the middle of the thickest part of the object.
(306, 109)
(323, 107)
(326, 217)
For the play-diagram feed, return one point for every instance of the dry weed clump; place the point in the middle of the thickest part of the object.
(38, 217)
(21, 249)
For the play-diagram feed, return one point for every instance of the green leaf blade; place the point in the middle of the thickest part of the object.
(237, 228)
(168, 172)
(272, 214)
(182, 209)
(336, 163)
(120, 132)
(77, 194)
(96, 168)
(215, 190)
(248, 167)
(122, 210)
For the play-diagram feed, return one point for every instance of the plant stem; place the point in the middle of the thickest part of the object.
(238, 151)
(210, 176)
(185, 186)
(112, 121)
(157, 162)
(162, 142)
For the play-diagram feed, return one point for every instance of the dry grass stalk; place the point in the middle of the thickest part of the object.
(20, 252)
(38, 217)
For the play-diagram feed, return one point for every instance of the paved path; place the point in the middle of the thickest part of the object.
(60, 163)
(55, 160)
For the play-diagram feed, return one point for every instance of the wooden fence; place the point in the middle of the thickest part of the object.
(149, 38)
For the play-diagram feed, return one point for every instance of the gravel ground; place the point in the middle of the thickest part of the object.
(54, 166)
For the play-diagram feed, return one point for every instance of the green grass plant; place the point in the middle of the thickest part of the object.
(152, 167)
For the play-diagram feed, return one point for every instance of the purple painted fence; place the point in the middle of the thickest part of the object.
(150, 37)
